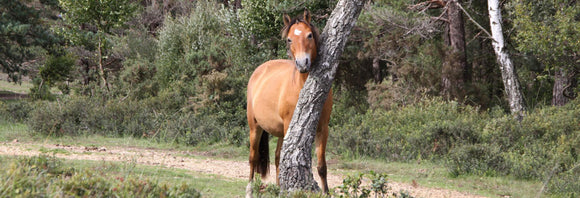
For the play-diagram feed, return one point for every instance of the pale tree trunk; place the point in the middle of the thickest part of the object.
(296, 159)
(104, 83)
(508, 74)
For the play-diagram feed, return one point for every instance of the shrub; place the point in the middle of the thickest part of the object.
(151, 118)
(425, 130)
(63, 117)
(79, 115)
(41, 90)
(478, 159)
(351, 186)
(43, 176)
(17, 110)
(469, 141)
(137, 79)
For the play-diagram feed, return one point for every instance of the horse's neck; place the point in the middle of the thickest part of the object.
(300, 78)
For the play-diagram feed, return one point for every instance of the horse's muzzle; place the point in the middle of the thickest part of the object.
(303, 64)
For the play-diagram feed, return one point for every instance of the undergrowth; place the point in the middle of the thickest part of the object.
(44, 176)
(543, 146)
(469, 141)
(351, 187)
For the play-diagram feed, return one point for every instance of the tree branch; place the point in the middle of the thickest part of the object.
(472, 20)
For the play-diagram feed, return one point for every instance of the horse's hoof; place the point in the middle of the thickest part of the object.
(249, 190)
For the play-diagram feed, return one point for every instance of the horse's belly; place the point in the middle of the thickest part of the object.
(269, 121)
(270, 86)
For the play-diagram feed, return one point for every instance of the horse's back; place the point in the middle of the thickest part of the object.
(269, 86)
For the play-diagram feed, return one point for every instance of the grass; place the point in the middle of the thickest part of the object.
(433, 175)
(424, 173)
(19, 88)
(11, 131)
(207, 185)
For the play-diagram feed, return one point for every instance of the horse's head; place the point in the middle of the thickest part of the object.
(302, 40)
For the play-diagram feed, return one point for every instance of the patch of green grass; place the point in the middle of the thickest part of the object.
(10, 131)
(208, 185)
(54, 151)
(20, 88)
(222, 151)
(433, 175)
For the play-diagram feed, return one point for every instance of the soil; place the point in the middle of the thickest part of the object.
(192, 161)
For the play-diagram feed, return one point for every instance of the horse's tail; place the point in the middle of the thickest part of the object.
(264, 155)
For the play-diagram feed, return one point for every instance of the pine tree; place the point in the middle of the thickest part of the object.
(23, 30)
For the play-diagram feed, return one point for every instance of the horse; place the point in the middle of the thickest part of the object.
(272, 94)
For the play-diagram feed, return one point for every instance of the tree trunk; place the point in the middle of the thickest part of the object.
(104, 83)
(563, 80)
(455, 71)
(296, 159)
(508, 75)
(377, 70)
(237, 4)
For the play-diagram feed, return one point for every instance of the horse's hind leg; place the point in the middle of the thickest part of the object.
(321, 138)
(255, 136)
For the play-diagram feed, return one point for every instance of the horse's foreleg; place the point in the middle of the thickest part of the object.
(321, 138)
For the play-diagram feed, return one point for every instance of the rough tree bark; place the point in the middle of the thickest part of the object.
(377, 70)
(455, 72)
(508, 74)
(296, 158)
(563, 81)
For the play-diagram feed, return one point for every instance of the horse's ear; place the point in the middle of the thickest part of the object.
(307, 16)
(287, 20)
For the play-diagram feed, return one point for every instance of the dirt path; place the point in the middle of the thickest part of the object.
(183, 160)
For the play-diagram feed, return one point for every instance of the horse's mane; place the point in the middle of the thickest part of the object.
(315, 33)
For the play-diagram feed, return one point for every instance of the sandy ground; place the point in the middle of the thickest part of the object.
(197, 163)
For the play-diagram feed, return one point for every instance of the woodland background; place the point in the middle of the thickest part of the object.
(407, 89)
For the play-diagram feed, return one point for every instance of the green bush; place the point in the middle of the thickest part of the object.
(64, 117)
(17, 110)
(478, 159)
(152, 118)
(43, 176)
(137, 79)
(41, 90)
(425, 130)
(352, 186)
(469, 141)
(79, 115)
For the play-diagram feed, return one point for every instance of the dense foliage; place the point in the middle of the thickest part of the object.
(24, 34)
(176, 71)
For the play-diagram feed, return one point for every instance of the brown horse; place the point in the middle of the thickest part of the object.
(272, 95)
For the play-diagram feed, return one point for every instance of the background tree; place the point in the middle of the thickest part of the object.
(263, 19)
(101, 17)
(509, 75)
(24, 34)
(455, 73)
(550, 31)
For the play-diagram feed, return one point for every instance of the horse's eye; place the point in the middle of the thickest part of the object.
(309, 36)
(289, 40)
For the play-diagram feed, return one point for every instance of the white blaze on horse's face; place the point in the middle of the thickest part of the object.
(297, 32)
(302, 46)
